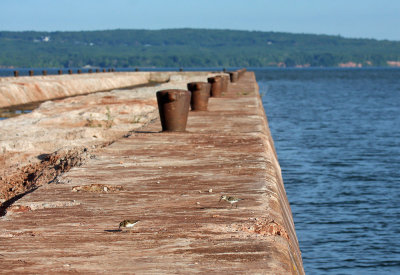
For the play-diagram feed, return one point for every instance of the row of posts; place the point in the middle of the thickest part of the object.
(173, 104)
(60, 72)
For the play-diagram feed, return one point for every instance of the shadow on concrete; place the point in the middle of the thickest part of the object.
(8, 203)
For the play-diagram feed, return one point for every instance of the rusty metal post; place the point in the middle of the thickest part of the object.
(60, 72)
(234, 76)
(216, 86)
(44, 72)
(104, 70)
(97, 70)
(90, 71)
(70, 71)
(16, 73)
(241, 72)
(31, 73)
(200, 95)
(136, 69)
(79, 71)
(173, 106)
(224, 83)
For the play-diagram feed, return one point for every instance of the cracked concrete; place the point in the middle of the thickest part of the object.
(172, 183)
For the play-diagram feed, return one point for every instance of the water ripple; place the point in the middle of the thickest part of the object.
(337, 134)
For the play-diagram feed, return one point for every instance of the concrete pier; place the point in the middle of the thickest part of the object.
(172, 183)
(24, 90)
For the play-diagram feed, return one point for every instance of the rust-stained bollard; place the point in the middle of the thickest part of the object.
(79, 71)
(104, 70)
(31, 73)
(216, 86)
(60, 72)
(200, 95)
(173, 106)
(234, 76)
(241, 72)
(97, 70)
(44, 72)
(16, 73)
(70, 71)
(224, 83)
(90, 71)
(136, 69)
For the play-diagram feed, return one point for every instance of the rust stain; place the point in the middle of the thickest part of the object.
(265, 227)
(19, 208)
(98, 188)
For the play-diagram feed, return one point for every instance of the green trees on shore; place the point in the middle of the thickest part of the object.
(189, 48)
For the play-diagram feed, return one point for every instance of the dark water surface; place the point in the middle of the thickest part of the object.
(337, 135)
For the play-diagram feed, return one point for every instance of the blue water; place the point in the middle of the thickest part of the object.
(337, 135)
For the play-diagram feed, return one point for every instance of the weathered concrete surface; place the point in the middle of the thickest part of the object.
(63, 128)
(23, 90)
(172, 183)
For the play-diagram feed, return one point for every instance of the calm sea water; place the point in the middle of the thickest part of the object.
(337, 135)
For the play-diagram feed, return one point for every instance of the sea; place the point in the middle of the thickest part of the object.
(337, 136)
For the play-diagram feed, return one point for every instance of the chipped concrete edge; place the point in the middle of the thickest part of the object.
(293, 244)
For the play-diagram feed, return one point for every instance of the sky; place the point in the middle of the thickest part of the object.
(377, 19)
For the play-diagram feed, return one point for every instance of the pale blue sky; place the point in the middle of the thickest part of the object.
(379, 19)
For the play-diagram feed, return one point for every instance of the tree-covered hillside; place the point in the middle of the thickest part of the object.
(188, 48)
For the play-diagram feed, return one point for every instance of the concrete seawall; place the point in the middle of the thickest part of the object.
(171, 182)
(24, 90)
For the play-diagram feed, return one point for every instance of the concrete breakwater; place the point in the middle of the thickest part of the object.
(24, 90)
(122, 167)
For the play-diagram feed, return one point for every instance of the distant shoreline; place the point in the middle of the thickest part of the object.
(175, 48)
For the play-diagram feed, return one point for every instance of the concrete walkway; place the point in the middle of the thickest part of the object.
(172, 183)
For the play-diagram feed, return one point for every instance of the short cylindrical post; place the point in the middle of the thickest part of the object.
(234, 76)
(200, 95)
(44, 72)
(31, 73)
(97, 70)
(216, 86)
(104, 70)
(16, 73)
(60, 72)
(70, 71)
(173, 106)
(136, 69)
(242, 72)
(224, 83)
(90, 71)
(79, 71)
